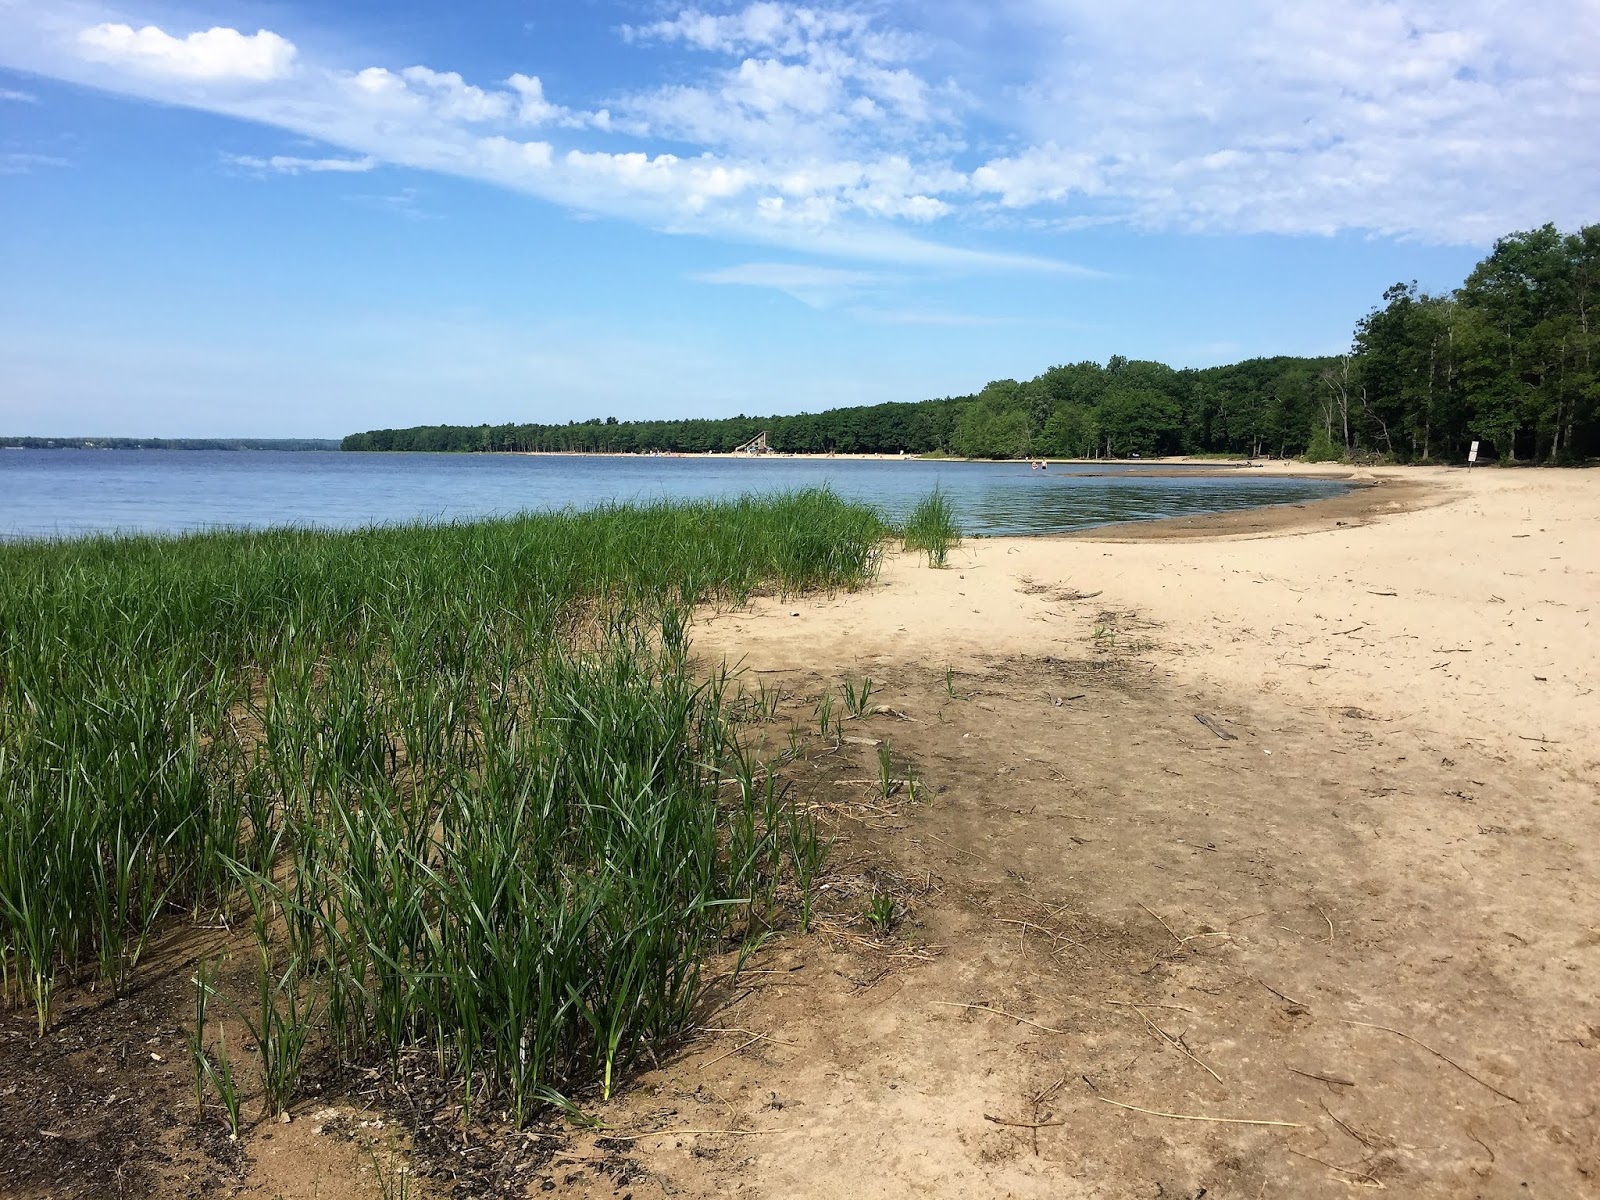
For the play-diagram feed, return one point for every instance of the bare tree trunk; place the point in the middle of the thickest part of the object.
(1427, 411)
(1338, 385)
(1382, 424)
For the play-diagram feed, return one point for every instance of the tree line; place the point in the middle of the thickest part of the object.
(1508, 359)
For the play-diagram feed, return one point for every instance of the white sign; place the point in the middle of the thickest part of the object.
(1472, 455)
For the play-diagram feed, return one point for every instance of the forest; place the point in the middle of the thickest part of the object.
(1508, 359)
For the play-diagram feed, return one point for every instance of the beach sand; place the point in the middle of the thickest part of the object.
(1388, 817)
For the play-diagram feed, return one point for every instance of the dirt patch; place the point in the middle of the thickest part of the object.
(1113, 913)
(103, 1105)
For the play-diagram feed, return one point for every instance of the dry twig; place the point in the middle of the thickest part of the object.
(1323, 1078)
(1142, 1004)
(1436, 1054)
(1024, 1124)
(1369, 1180)
(1191, 1117)
(1177, 1044)
(1281, 996)
(634, 1137)
(1324, 914)
(1185, 1116)
(1164, 925)
(1362, 1138)
(998, 1012)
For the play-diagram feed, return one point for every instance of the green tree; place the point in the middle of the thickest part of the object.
(994, 424)
(1071, 432)
(1142, 421)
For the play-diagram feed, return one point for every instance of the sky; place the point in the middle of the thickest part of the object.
(239, 218)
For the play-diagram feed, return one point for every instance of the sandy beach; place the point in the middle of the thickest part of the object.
(1252, 856)
(1240, 856)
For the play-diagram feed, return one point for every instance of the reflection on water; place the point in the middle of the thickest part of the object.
(1073, 503)
(45, 493)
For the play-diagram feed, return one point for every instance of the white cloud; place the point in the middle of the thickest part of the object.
(808, 81)
(1424, 118)
(21, 163)
(784, 28)
(690, 183)
(1039, 174)
(287, 164)
(533, 109)
(771, 148)
(454, 99)
(212, 54)
(17, 97)
(838, 129)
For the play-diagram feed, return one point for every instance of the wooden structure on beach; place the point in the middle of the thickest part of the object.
(756, 445)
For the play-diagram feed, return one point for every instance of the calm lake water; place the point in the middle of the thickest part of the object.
(62, 493)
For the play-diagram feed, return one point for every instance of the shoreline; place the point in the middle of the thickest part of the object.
(1156, 465)
(1367, 500)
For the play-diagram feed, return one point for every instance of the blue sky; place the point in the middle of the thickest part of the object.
(241, 218)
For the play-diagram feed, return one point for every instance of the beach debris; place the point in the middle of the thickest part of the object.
(1215, 728)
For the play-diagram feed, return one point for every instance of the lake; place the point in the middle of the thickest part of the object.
(64, 493)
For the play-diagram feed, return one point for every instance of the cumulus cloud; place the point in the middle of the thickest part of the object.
(533, 109)
(453, 99)
(211, 54)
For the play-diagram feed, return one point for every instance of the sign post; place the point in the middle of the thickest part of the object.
(1472, 455)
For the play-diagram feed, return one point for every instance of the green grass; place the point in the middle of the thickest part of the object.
(461, 777)
(857, 696)
(931, 528)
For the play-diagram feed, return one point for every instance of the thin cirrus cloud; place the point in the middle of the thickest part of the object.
(888, 134)
(24, 163)
(813, 286)
(288, 164)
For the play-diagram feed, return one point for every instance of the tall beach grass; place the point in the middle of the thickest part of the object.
(459, 779)
(932, 529)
